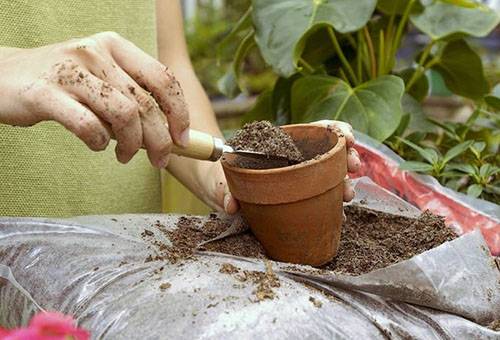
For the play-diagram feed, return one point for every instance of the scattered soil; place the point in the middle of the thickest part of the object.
(370, 240)
(185, 238)
(315, 302)
(165, 286)
(264, 282)
(263, 137)
(495, 325)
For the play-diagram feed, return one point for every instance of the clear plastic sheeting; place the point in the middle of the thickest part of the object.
(94, 268)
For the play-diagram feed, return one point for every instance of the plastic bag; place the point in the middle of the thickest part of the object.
(94, 268)
(464, 213)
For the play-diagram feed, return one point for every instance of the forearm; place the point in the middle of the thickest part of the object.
(172, 52)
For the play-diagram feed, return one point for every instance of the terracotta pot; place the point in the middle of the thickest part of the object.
(296, 211)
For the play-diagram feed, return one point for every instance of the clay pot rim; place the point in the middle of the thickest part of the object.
(336, 148)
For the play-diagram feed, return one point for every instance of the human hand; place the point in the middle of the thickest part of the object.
(97, 87)
(353, 160)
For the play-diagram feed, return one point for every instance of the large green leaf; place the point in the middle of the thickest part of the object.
(442, 19)
(373, 107)
(462, 70)
(281, 25)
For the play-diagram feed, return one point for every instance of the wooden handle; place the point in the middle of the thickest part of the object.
(201, 146)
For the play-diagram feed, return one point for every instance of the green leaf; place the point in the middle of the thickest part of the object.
(457, 150)
(233, 38)
(229, 83)
(462, 70)
(430, 155)
(281, 25)
(373, 107)
(474, 190)
(440, 19)
(465, 168)
(493, 99)
(282, 99)
(262, 110)
(488, 170)
(416, 166)
(420, 89)
(477, 148)
(392, 6)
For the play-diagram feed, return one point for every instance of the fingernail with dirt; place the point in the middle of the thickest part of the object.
(227, 198)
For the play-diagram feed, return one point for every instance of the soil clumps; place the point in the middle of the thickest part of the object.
(262, 136)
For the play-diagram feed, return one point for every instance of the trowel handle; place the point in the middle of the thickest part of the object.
(201, 146)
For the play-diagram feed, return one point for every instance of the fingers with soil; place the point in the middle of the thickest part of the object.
(157, 79)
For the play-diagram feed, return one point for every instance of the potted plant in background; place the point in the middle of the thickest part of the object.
(336, 59)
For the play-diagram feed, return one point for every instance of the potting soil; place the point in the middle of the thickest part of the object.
(370, 240)
(262, 136)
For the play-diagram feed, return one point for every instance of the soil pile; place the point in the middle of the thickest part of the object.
(370, 240)
(263, 137)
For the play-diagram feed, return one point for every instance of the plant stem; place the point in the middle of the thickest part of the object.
(371, 52)
(388, 42)
(421, 68)
(399, 31)
(381, 53)
(341, 55)
(306, 65)
(359, 56)
(343, 75)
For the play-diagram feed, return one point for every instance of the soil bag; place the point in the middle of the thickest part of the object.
(100, 270)
(464, 213)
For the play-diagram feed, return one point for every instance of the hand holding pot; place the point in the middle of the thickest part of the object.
(353, 160)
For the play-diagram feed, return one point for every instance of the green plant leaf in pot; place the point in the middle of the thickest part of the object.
(442, 19)
(233, 38)
(373, 107)
(493, 99)
(281, 25)
(462, 69)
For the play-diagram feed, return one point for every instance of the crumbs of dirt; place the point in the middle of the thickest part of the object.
(263, 137)
(315, 302)
(184, 238)
(165, 286)
(264, 282)
(370, 240)
(495, 325)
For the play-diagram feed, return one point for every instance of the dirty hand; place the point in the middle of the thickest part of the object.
(97, 87)
(353, 160)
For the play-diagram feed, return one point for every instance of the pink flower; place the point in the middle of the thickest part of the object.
(47, 326)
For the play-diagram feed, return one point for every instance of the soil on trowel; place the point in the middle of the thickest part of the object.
(263, 137)
(370, 240)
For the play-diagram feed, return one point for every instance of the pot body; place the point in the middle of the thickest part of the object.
(296, 211)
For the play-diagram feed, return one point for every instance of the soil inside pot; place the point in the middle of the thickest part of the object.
(262, 136)
(370, 240)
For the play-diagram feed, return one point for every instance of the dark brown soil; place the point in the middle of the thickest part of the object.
(370, 240)
(263, 137)
(495, 325)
